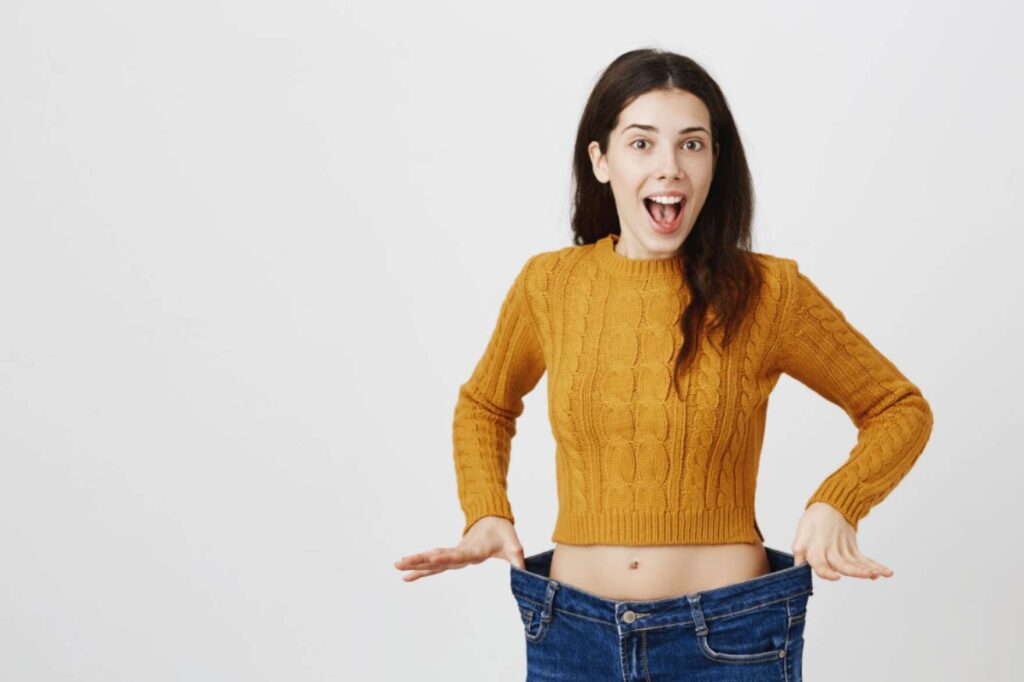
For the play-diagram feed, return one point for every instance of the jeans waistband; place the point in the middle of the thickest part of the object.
(784, 581)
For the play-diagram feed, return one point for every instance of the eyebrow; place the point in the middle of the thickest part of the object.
(652, 129)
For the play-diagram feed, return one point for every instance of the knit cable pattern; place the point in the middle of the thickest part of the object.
(637, 463)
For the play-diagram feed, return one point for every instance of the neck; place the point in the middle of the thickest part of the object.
(628, 247)
(610, 256)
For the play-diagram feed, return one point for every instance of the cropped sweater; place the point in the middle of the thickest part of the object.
(638, 463)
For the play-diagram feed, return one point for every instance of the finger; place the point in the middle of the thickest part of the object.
(412, 559)
(855, 558)
(799, 557)
(417, 560)
(845, 563)
(421, 556)
(517, 558)
(882, 570)
(436, 567)
(869, 570)
(440, 561)
(461, 556)
(450, 558)
(416, 575)
(819, 562)
(875, 567)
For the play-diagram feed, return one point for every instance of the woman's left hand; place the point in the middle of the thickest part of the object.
(827, 541)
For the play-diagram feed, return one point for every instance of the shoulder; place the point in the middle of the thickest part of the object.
(780, 274)
(773, 264)
(539, 268)
(782, 282)
(795, 291)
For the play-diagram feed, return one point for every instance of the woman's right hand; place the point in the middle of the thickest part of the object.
(489, 537)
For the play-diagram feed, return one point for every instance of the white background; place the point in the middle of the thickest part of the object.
(249, 251)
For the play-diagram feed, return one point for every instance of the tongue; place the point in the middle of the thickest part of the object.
(663, 214)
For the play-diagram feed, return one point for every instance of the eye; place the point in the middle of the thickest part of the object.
(645, 142)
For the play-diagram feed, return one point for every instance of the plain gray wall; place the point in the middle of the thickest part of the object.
(250, 250)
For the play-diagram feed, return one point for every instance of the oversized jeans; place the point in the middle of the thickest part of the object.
(751, 630)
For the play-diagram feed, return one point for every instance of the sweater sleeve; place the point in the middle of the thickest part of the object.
(822, 350)
(489, 404)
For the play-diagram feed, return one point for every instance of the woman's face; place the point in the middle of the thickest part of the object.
(660, 146)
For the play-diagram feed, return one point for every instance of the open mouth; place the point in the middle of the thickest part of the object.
(665, 218)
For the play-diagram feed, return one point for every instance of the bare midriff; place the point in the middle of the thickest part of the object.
(656, 571)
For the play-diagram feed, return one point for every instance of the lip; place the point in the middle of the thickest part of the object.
(665, 193)
(675, 225)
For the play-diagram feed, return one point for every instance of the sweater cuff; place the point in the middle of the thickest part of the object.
(496, 505)
(838, 493)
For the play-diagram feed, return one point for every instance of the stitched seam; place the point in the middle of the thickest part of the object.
(534, 327)
(752, 608)
(622, 658)
(724, 657)
(643, 645)
(785, 647)
(778, 345)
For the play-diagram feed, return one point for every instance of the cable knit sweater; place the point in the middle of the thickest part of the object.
(637, 463)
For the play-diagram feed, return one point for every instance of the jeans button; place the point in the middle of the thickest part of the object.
(628, 617)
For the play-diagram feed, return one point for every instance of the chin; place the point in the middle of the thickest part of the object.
(666, 244)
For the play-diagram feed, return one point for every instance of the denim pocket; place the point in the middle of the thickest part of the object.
(534, 625)
(752, 636)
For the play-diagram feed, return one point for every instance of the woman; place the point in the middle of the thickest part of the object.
(663, 335)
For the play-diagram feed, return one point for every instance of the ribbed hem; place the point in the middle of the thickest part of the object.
(495, 506)
(699, 527)
(837, 493)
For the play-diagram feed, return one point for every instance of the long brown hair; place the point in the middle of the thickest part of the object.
(721, 273)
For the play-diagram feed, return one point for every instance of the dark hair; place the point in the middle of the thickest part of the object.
(721, 273)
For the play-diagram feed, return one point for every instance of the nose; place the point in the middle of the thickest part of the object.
(669, 166)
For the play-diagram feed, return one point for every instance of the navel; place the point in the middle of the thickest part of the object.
(634, 564)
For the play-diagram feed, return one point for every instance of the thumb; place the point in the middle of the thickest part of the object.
(799, 557)
(517, 558)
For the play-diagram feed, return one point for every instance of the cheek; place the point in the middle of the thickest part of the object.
(628, 177)
(701, 179)
(702, 168)
(626, 187)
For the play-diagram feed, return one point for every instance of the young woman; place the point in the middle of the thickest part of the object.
(663, 335)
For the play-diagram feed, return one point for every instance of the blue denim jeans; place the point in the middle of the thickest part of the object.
(751, 630)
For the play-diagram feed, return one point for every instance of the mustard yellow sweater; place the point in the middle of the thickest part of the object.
(638, 464)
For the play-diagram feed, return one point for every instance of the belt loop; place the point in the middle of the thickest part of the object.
(549, 597)
(698, 614)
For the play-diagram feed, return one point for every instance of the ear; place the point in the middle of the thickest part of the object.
(597, 162)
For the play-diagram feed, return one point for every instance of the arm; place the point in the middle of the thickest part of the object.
(489, 404)
(821, 349)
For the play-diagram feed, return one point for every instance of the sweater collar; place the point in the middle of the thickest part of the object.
(610, 260)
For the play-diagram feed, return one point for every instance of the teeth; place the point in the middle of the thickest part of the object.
(666, 200)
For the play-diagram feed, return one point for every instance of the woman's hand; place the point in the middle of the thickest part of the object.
(827, 541)
(491, 536)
